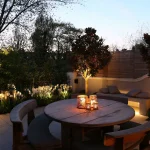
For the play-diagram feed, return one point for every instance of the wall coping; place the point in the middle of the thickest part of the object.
(122, 79)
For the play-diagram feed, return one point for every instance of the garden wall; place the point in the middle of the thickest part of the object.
(123, 84)
(126, 70)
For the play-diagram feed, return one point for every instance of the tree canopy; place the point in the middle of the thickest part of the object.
(145, 50)
(10, 10)
(89, 53)
(51, 44)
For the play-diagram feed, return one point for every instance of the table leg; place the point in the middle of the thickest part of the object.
(70, 134)
(106, 130)
(66, 136)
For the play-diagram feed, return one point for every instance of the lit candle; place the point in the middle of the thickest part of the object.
(92, 102)
(82, 101)
(88, 106)
(95, 105)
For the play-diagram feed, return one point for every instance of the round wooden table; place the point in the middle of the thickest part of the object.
(109, 113)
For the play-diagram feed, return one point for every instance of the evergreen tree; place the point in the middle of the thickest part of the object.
(89, 54)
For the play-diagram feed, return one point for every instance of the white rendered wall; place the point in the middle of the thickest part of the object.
(123, 84)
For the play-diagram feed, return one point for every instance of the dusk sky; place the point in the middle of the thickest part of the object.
(119, 22)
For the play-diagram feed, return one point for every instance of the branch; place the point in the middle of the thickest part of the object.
(3, 10)
(4, 20)
(85, 73)
(10, 22)
(23, 26)
(62, 1)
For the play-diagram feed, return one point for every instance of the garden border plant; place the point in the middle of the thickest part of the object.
(43, 94)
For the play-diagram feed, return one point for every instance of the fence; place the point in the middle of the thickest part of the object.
(125, 64)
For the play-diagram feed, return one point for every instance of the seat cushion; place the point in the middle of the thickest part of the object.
(116, 97)
(113, 89)
(133, 92)
(104, 90)
(143, 95)
(38, 132)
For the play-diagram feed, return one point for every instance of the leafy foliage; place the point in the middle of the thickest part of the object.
(89, 53)
(11, 10)
(46, 64)
(145, 50)
(27, 10)
(43, 94)
(51, 43)
(13, 69)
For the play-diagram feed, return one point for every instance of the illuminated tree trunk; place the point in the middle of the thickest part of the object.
(86, 85)
(86, 75)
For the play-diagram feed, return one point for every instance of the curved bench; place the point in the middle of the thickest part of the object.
(119, 140)
(144, 104)
(16, 116)
(38, 133)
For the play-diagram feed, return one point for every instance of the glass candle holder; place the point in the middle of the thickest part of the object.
(88, 106)
(81, 101)
(93, 99)
(95, 105)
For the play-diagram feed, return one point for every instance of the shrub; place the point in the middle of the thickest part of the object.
(47, 94)
(43, 94)
(7, 105)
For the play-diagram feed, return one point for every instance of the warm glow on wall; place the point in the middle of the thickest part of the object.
(134, 104)
(137, 113)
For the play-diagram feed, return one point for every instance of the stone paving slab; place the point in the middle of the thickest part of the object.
(6, 128)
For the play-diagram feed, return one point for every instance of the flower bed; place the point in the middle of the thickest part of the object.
(43, 94)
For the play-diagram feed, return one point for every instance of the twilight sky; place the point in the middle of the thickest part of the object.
(119, 22)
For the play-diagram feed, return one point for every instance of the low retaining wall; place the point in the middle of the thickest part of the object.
(123, 84)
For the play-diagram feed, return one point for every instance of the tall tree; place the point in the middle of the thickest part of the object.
(144, 48)
(19, 40)
(42, 38)
(10, 10)
(89, 54)
(51, 44)
(62, 45)
(13, 70)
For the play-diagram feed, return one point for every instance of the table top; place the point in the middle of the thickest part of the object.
(109, 113)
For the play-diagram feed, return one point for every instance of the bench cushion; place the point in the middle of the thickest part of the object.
(113, 89)
(116, 97)
(39, 134)
(104, 90)
(143, 95)
(133, 93)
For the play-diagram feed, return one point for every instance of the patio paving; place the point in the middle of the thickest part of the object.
(6, 128)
